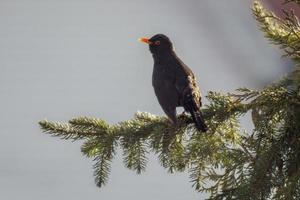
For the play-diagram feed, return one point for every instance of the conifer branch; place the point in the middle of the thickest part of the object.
(284, 32)
(225, 162)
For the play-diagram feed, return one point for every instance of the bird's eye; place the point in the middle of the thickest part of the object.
(157, 42)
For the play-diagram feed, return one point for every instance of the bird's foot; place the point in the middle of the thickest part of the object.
(183, 118)
(172, 126)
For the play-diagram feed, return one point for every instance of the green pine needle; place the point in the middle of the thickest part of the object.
(225, 161)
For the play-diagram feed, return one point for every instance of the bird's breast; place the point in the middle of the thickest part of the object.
(162, 76)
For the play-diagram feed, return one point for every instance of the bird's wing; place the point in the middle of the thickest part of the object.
(192, 91)
(191, 101)
(186, 85)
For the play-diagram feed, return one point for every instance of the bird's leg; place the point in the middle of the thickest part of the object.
(171, 113)
(170, 122)
(183, 117)
(183, 112)
(173, 126)
(171, 132)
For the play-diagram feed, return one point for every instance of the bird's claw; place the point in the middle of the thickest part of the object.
(183, 118)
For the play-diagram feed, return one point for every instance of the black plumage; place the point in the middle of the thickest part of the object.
(174, 83)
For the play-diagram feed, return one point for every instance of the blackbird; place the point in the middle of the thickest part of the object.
(174, 82)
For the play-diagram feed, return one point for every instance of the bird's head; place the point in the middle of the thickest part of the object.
(158, 44)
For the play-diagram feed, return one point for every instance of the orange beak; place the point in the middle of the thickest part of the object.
(145, 40)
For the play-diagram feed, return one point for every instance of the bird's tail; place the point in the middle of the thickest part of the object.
(199, 121)
(192, 107)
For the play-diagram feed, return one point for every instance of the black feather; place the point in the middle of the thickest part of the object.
(191, 106)
(174, 82)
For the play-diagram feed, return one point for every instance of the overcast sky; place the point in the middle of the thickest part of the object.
(61, 59)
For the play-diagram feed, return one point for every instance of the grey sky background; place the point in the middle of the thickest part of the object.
(61, 59)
